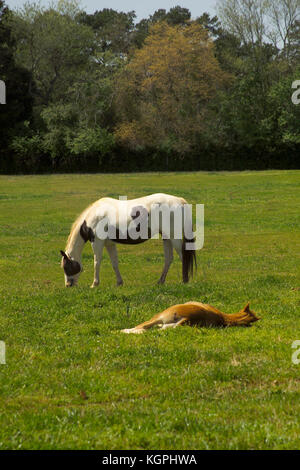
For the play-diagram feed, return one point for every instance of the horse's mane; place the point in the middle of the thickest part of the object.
(76, 227)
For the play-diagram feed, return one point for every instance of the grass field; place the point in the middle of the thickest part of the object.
(72, 380)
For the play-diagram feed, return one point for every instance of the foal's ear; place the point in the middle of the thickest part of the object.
(247, 307)
(86, 232)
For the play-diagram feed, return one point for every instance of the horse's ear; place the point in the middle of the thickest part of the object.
(63, 254)
(247, 307)
(86, 232)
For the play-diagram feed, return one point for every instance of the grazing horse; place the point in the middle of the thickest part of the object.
(123, 221)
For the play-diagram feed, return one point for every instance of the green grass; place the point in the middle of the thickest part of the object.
(72, 380)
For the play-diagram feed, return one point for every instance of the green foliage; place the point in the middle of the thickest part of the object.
(60, 120)
(53, 46)
(283, 122)
(90, 141)
(175, 16)
(66, 137)
(30, 150)
(112, 28)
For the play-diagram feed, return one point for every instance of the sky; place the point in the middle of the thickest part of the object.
(143, 8)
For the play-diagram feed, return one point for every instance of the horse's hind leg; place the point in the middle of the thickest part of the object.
(113, 254)
(168, 252)
(177, 244)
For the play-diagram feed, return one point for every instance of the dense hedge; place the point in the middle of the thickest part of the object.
(122, 160)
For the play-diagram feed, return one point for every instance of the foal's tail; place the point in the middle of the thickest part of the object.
(188, 260)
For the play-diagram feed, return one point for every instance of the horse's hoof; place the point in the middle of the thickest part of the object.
(95, 284)
(120, 283)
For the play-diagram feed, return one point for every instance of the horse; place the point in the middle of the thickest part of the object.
(110, 221)
(196, 314)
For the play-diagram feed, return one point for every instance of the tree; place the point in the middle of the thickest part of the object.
(175, 16)
(255, 22)
(18, 107)
(282, 123)
(283, 15)
(112, 28)
(53, 47)
(294, 45)
(162, 94)
(265, 56)
(178, 15)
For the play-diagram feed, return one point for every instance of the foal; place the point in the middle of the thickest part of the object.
(198, 314)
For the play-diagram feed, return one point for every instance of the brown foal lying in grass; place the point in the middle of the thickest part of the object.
(198, 314)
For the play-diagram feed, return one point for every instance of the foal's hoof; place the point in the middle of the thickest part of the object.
(120, 283)
(136, 331)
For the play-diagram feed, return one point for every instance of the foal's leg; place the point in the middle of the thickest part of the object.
(156, 320)
(113, 254)
(174, 325)
(168, 252)
(97, 246)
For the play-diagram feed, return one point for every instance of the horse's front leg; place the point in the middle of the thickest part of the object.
(97, 246)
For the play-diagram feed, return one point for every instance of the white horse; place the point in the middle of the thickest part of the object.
(112, 215)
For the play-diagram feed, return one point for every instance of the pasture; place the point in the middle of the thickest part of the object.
(73, 381)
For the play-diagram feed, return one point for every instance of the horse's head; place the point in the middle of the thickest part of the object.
(72, 269)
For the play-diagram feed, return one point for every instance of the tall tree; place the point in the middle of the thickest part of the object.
(18, 105)
(112, 28)
(164, 90)
(264, 30)
(52, 46)
(175, 16)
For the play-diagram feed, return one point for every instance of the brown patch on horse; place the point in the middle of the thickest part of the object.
(126, 240)
(86, 232)
(70, 266)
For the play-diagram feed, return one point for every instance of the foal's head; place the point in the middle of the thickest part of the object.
(72, 269)
(249, 315)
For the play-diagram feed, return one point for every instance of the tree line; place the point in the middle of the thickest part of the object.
(103, 92)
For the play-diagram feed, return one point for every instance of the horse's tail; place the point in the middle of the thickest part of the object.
(188, 255)
(188, 260)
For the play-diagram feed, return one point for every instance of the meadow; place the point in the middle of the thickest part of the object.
(73, 381)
